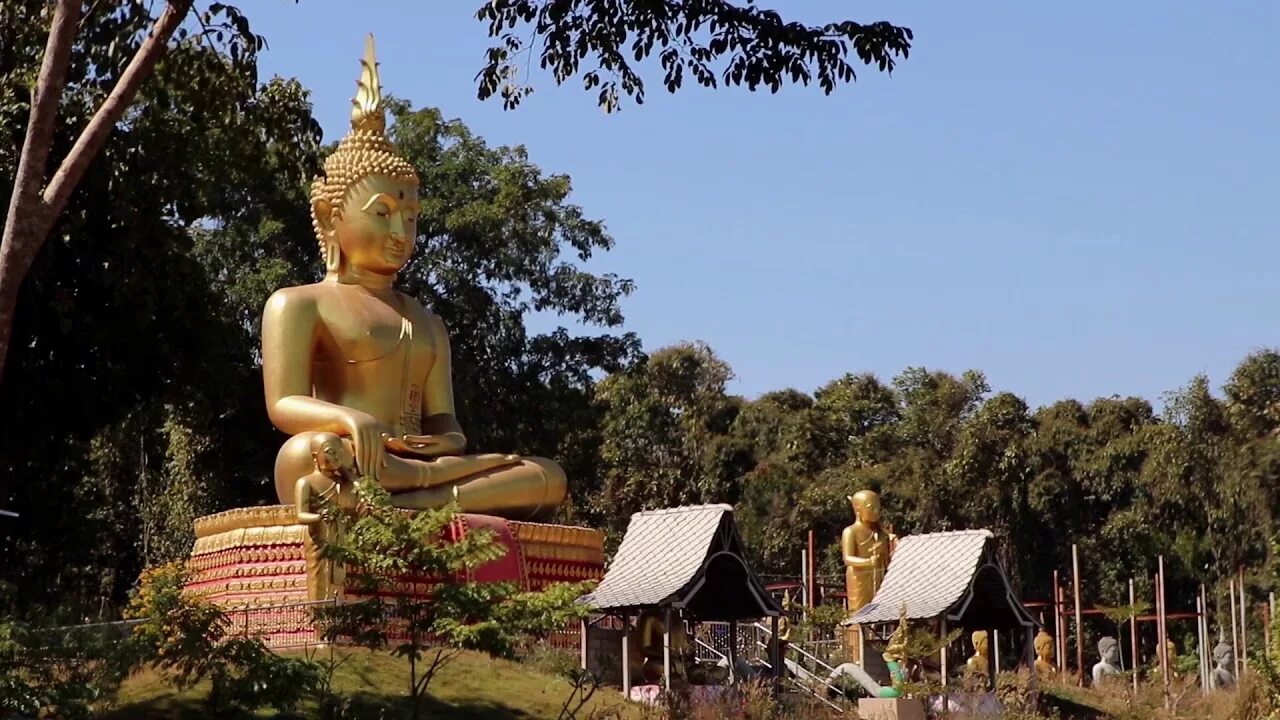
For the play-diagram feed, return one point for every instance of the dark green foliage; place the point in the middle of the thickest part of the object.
(52, 671)
(1197, 485)
(189, 640)
(717, 42)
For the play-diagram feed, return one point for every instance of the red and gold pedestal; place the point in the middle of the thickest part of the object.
(265, 565)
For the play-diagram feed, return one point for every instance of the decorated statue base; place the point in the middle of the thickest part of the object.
(262, 561)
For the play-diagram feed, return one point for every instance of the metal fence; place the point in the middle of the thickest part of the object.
(280, 627)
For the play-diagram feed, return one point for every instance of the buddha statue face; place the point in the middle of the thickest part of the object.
(866, 507)
(374, 230)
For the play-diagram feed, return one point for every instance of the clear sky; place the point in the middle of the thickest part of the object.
(1079, 199)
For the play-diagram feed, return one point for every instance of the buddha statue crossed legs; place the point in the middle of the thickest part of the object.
(360, 374)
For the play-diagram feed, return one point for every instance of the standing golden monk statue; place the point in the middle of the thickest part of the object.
(358, 373)
(866, 548)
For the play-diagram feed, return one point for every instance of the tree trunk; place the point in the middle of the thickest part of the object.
(32, 212)
(26, 224)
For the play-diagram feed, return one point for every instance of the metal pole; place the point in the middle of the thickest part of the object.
(1133, 636)
(812, 568)
(1204, 607)
(1200, 643)
(1060, 617)
(1075, 579)
(626, 656)
(775, 654)
(1057, 624)
(1163, 613)
(582, 643)
(666, 651)
(1235, 641)
(733, 651)
(804, 578)
(1244, 622)
(992, 654)
(995, 649)
(1164, 632)
(944, 655)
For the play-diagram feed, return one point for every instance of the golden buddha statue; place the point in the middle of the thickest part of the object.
(978, 664)
(1043, 645)
(358, 373)
(646, 648)
(866, 548)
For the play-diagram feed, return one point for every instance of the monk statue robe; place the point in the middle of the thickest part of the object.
(358, 373)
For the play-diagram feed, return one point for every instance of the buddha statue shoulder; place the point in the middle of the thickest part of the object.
(358, 373)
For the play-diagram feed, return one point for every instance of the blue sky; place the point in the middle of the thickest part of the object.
(1078, 199)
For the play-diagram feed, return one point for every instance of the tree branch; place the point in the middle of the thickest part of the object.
(95, 134)
(18, 245)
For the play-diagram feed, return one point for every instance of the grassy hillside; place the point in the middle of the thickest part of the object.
(473, 687)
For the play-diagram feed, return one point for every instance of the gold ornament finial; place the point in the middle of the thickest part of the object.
(366, 108)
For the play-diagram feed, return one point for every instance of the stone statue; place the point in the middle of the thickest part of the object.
(1223, 676)
(1109, 649)
(866, 548)
(1045, 669)
(979, 664)
(358, 373)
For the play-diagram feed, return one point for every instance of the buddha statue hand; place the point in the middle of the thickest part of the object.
(425, 445)
(369, 438)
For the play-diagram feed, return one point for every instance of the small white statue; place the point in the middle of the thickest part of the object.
(1109, 649)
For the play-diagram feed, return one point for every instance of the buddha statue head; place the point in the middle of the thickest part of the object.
(979, 639)
(1224, 656)
(1109, 651)
(866, 507)
(365, 205)
(1044, 646)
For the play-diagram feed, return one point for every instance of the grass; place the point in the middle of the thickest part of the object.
(472, 687)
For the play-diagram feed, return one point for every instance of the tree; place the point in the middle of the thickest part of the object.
(664, 429)
(34, 205)
(128, 314)
(759, 47)
(188, 639)
(385, 544)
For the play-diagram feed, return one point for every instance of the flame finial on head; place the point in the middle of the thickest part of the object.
(366, 108)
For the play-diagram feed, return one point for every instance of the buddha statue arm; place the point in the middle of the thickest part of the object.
(289, 326)
(849, 550)
(438, 419)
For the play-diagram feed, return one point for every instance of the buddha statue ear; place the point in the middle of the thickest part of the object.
(325, 214)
